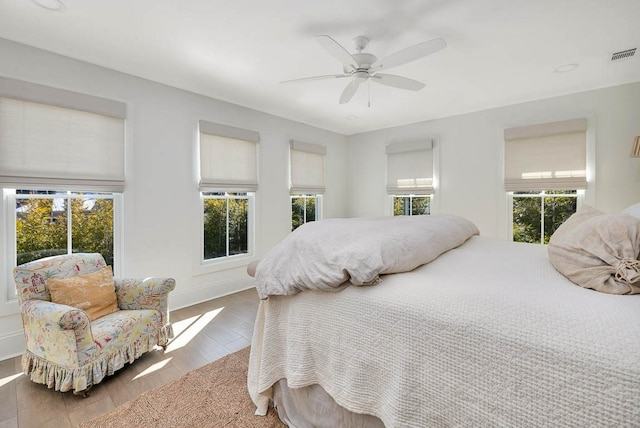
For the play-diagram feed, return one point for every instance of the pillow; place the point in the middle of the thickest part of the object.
(633, 210)
(94, 293)
(598, 251)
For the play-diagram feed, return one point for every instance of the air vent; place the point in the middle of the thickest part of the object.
(623, 54)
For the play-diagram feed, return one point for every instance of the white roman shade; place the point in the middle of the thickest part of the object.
(410, 168)
(228, 158)
(55, 139)
(546, 156)
(307, 168)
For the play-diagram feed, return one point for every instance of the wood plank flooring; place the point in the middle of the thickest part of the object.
(203, 333)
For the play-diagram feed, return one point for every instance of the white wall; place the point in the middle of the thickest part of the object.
(471, 155)
(161, 200)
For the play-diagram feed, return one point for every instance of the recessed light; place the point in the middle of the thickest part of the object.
(53, 5)
(566, 68)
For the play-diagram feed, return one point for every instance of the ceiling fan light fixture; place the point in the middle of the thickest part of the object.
(360, 75)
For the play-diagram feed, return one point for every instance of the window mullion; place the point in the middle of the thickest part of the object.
(69, 224)
(542, 217)
(227, 222)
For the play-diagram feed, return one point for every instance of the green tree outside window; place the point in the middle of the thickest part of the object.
(42, 226)
(537, 215)
(411, 205)
(226, 224)
(303, 210)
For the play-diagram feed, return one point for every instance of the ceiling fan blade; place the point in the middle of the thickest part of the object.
(349, 91)
(398, 81)
(338, 52)
(308, 79)
(409, 54)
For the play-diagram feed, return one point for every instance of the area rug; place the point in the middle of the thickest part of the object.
(214, 395)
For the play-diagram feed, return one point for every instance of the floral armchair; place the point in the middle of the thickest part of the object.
(66, 349)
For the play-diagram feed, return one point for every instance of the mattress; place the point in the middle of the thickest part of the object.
(488, 334)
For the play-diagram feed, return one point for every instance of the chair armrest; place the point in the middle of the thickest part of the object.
(53, 330)
(63, 316)
(148, 293)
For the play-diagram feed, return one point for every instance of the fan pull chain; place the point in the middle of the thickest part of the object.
(369, 94)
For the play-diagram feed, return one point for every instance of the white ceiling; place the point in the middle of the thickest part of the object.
(499, 52)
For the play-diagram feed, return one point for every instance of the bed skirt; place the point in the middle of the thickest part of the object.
(312, 406)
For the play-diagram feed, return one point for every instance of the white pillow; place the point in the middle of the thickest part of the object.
(633, 210)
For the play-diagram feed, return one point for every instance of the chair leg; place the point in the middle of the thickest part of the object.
(84, 393)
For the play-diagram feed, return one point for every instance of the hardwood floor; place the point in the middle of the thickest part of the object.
(203, 333)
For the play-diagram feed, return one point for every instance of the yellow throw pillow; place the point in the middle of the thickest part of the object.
(94, 293)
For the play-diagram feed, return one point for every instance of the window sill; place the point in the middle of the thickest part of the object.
(205, 267)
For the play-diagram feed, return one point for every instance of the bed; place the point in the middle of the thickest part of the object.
(486, 333)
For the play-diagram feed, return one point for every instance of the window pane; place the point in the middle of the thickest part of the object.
(420, 205)
(311, 208)
(556, 211)
(401, 205)
(238, 226)
(297, 212)
(92, 227)
(41, 228)
(215, 228)
(526, 219)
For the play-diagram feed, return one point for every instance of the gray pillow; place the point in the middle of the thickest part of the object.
(598, 251)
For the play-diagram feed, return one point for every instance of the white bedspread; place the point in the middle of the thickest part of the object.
(330, 254)
(488, 334)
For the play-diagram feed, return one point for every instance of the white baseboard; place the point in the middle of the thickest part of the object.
(191, 297)
(11, 345)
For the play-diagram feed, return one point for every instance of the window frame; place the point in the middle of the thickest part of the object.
(10, 198)
(235, 260)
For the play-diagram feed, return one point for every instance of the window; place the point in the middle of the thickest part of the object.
(65, 151)
(304, 208)
(45, 223)
(226, 224)
(49, 223)
(411, 204)
(410, 177)
(536, 215)
(228, 181)
(545, 177)
(306, 165)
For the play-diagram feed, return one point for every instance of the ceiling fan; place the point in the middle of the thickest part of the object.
(361, 66)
